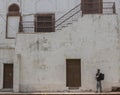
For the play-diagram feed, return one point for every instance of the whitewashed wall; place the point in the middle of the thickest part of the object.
(94, 39)
(13, 26)
(30, 7)
(6, 57)
(43, 55)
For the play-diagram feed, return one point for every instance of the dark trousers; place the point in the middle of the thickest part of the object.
(99, 86)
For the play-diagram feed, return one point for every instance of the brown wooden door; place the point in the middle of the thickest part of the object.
(8, 76)
(73, 71)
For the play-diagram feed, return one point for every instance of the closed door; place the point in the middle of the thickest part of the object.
(8, 76)
(73, 72)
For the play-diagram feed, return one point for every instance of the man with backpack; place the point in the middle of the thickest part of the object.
(99, 78)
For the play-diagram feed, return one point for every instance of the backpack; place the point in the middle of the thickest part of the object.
(102, 76)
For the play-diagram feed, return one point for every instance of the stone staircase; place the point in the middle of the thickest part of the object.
(68, 18)
(73, 15)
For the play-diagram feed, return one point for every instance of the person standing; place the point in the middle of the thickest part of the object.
(98, 78)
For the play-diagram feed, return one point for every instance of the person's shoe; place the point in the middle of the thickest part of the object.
(96, 91)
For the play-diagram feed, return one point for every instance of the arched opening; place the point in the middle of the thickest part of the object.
(12, 22)
(13, 9)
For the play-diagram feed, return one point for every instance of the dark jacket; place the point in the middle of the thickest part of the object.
(98, 76)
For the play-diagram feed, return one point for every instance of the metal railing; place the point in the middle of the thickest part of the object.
(69, 17)
(27, 26)
(98, 8)
(109, 8)
(31, 26)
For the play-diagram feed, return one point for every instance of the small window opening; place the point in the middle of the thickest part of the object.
(45, 23)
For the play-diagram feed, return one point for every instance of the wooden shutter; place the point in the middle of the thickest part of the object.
(92, 6)
(45, 23)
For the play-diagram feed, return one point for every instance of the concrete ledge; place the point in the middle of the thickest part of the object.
(60, 93)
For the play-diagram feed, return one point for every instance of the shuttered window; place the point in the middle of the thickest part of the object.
(45, 23)
(92, 6)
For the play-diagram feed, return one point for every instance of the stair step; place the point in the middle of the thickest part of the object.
(74, 20)
(59, 29)
(69, 23)
(64, 26)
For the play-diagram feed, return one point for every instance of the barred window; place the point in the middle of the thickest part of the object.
(92, 6)
(45, 23)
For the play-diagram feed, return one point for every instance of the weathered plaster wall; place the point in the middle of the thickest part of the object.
(30, 7)
(48, 6)
(6, 57)
(93, 39)
(14, 23)
(41, 64)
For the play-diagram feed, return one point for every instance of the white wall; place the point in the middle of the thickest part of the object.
(30, 7)
(6, 57)
(43, 55)
(94, 39)
(13, 26)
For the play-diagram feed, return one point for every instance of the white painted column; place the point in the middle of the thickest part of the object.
(16, 80)
(1, 75)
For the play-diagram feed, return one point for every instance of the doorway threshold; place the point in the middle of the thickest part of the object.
(6, 90)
